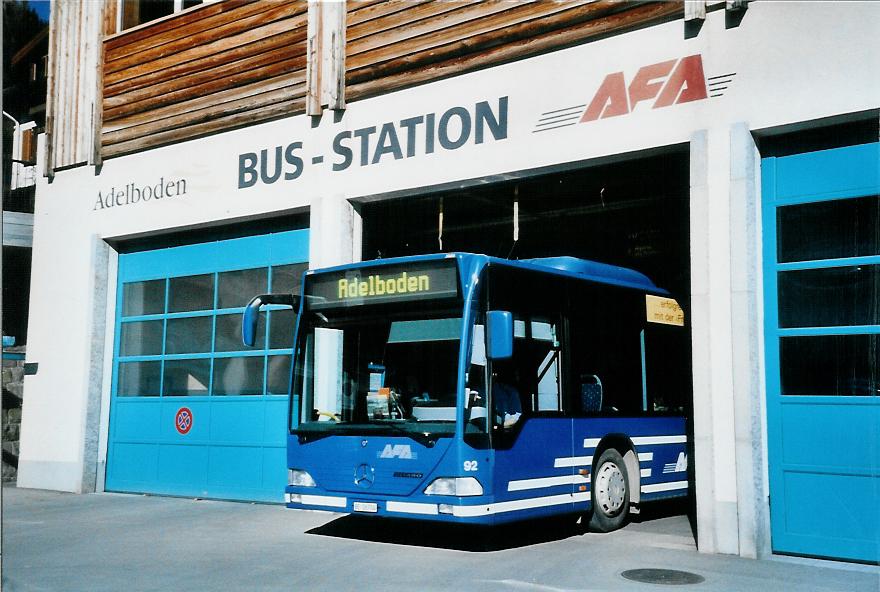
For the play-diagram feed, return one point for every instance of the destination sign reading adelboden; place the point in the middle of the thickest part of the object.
(431, 279)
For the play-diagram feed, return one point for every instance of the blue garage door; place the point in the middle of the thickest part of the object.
(193, 411)
(821, 218)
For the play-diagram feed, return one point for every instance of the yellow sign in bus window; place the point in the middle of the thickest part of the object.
(664, 310)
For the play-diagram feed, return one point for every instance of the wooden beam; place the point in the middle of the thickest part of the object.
(51, 99)
(255, 51)
(171, 100)
(396, 19)
(493, 31)
(220, 46)
(694, 10)
(266, 113)
(207, 81)
(314, 58)
(450, 22)
(578, 33)
(357, 13)
(205, 102)
(107, 15)
(284, 90)
(110, 18)
(218, 35)
(326, 47)
(335, 30)
(168, 31)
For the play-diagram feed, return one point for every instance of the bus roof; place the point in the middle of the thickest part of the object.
(584, 269)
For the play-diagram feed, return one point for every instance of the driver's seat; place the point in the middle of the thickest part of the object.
(591, 393)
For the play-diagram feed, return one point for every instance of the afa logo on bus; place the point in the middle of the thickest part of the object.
(403, 451)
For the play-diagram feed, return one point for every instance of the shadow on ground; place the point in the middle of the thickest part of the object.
(669, 508)
(463, 537)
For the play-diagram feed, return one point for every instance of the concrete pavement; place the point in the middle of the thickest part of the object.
(114, 542)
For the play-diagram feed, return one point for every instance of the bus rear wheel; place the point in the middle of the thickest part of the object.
(610, 492)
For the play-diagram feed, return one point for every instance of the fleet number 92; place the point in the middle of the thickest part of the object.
(470, 465)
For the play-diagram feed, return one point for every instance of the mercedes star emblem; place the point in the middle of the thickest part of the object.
(364, 475)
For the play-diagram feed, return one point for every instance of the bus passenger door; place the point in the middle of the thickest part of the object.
(535, 469)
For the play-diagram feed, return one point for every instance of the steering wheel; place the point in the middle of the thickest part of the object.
(329, 415)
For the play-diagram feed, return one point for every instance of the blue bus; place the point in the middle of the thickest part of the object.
(472, 389)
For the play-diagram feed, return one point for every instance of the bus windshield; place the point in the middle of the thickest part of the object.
(363, 372)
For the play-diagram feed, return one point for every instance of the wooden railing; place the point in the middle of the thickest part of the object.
(212, 68)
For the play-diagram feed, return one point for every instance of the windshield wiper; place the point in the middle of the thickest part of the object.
(307, 434)
(424, 438)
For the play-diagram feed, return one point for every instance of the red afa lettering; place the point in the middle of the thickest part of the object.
(671, 82)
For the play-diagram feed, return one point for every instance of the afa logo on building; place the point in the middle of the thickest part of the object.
(664, 84)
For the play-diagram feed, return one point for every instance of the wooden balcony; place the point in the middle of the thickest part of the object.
(211, 68)
(234, 63)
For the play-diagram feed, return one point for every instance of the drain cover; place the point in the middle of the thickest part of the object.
(670, 577)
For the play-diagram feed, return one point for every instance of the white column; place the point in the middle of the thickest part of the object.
(94, 360)
(746, 325)
(334, 232)
(714, 441)
(64, 281)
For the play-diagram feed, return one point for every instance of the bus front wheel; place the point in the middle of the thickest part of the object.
(610, 493)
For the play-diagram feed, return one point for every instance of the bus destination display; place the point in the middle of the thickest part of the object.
(392, 283)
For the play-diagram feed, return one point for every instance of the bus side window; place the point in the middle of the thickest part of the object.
(606, 361)
(667, 369)
(537, 361)
(548, 371)
(537, 354)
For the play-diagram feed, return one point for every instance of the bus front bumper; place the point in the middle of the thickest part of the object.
(463, 510)
(477, 511)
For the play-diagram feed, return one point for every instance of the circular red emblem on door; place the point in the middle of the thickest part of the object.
(183, 421)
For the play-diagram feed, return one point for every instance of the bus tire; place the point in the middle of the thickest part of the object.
(610, 492)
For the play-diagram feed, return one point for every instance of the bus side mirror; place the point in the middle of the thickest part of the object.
(499, 329)
(252, 313)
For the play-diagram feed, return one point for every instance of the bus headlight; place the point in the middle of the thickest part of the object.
(299, 478)
(460, 486)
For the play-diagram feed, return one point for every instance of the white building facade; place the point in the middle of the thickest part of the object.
(731, 102)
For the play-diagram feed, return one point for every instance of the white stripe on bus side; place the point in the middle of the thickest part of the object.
(649, 440)
(646, 456)
(523, 504)
(642, 440)
(572, 461)
(537, 483)
(664, 486)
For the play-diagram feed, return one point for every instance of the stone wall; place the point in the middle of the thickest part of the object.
(13, 388)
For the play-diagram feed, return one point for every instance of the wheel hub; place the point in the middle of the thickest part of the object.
(610, 488)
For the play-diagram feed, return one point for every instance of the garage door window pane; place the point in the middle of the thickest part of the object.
(139, 379)
(282, 324)
(194, 292)
(830, 365)
(186, 377)
(236, 288)
(188, 335)
(141, 338)
(287, 279)
(238, 376)
(228, 335)
(829, 229)
(830, 297)
(143, 298)
(278, 382)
